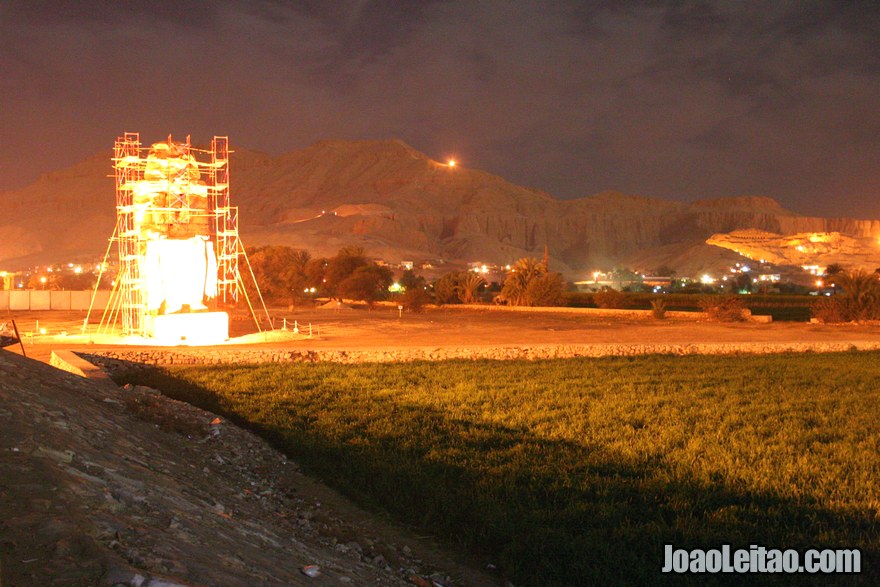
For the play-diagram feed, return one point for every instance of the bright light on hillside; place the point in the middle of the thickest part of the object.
(451, 163)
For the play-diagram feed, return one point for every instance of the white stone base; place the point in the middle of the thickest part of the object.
(200, 328)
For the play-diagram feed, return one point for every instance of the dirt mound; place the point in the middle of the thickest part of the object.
(102, 486)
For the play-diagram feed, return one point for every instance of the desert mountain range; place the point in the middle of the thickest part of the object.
(401, 205)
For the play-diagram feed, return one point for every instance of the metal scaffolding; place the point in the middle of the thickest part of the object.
(129, 298)
(172, 191)
(225, 223)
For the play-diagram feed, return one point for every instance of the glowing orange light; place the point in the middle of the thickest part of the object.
(451, 163)
(196, 328)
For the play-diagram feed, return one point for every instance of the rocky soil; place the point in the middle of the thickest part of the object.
(108, 486)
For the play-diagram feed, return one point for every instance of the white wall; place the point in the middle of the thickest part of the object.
(41, 300)
(19, 299)
(58, 300)
(22, 300)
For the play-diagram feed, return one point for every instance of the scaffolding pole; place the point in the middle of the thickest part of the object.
(170, 210)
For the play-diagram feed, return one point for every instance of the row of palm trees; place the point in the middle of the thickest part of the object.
(528, 283)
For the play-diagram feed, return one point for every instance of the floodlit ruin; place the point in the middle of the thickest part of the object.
(803, 249)
(177, 241)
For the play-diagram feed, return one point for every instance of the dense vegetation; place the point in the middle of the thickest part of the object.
(294, 276)
(780, 306)
(531, 283)
(291, 276)
(577, 471)
(858, 301)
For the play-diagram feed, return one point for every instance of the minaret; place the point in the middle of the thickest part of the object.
(546, 259)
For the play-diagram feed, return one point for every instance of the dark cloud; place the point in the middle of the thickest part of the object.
(670, 99)
(96, 13)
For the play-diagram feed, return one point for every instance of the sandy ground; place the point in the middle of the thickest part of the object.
(384, 327)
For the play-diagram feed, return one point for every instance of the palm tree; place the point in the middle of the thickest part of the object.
(834, 269)
(524, 273)
(469, 287)
(860, 299)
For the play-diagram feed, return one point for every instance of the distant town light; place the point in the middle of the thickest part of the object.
(77, 269)
(43, 279)
(707, 279)
(451, 163)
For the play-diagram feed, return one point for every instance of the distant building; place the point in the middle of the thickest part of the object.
(7, 280)
(657, 281)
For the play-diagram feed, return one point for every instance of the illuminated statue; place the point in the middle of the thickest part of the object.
(173, 222)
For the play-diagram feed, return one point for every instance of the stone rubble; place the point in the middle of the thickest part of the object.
(114, 360)
(108, 486)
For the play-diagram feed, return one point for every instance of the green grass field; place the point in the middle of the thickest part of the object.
(577, 471)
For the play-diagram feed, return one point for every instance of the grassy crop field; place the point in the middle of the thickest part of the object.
(577, 471)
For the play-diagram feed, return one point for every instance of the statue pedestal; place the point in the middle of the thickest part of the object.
(199, 328)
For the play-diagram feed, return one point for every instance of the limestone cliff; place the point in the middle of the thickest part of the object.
(400, 204)
(805, 248)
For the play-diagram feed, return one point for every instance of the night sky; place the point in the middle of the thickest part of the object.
(674, 100)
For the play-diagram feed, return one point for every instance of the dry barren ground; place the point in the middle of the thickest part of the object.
(384, 328)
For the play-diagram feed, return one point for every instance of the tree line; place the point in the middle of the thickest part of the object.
(294, 276)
